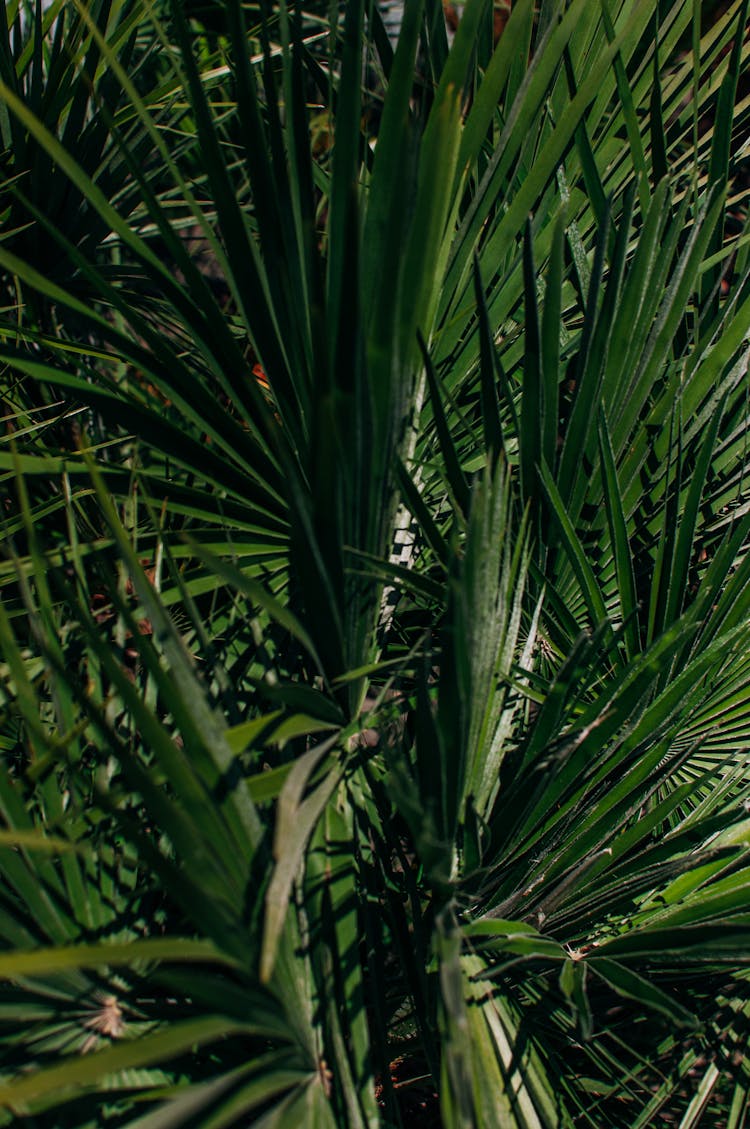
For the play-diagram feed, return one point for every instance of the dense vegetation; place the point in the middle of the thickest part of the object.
(375, 623)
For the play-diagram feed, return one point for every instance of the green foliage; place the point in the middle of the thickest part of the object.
(374, 645)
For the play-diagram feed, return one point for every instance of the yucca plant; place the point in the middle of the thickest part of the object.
(375, 668)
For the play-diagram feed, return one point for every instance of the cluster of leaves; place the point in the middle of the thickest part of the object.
(374, 659)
